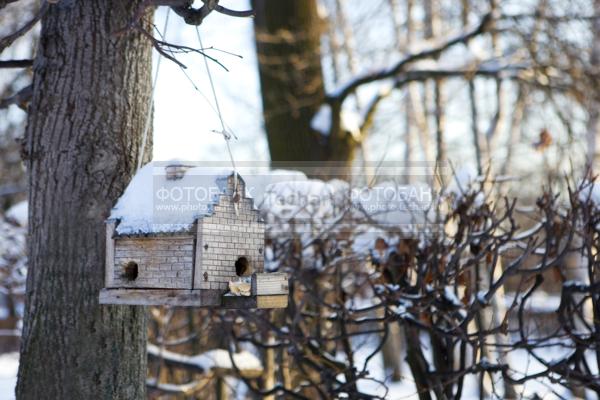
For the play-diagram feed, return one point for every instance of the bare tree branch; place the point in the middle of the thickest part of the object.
(191, 15)
(4, 3)
(340, 94)
(168, 50)
(8, 40)
(424, 74)
(21, 98)
(16, 63)
(195, 16)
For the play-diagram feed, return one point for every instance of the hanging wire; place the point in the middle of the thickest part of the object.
(151, 105)
(224, 131)
(196, 88)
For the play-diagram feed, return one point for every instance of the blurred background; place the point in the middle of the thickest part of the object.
(515, 107)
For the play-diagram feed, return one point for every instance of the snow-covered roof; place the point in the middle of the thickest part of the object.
(153, 203)
(168, 199)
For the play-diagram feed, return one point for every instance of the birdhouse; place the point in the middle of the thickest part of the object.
(187, 236)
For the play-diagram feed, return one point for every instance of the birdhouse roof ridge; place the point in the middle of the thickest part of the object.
(166, 198)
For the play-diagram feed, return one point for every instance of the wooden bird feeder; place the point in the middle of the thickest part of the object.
(203, 250)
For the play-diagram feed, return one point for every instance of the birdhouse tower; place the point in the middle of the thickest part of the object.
(188, 236)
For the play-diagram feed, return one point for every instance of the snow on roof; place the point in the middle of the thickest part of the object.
(153, 203)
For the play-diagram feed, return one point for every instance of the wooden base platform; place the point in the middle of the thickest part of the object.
(189, 298)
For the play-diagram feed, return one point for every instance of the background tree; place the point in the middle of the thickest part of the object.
(311, 64)
(288, 44)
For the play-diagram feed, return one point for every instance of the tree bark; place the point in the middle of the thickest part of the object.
(288, 37)
(289, 58)
(90, 101)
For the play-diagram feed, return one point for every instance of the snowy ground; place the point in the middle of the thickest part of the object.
(9, 363)
(403, 390)
(406, 390)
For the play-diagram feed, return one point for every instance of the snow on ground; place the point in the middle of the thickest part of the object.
(373, 384)
(521, 362)
(379, 383)
(9, 365)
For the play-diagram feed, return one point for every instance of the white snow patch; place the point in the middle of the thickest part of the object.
(18, 213)
(9, 365)
(465, 178)
(450, 296)
(465, 183)
(211, 359)
(257, 184)
(364, 242)
(350, 121)
(321, 121)
(220, 358)
(590, 192)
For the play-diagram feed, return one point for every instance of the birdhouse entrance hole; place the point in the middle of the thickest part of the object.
(130, 271)
(242, 266)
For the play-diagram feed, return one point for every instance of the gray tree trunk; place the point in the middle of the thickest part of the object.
(91, 96)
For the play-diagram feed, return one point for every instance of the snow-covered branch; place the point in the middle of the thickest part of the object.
(216, 361)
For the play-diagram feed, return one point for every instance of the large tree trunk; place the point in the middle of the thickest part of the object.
(289, 60)
(91, 96)
(288, 35)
